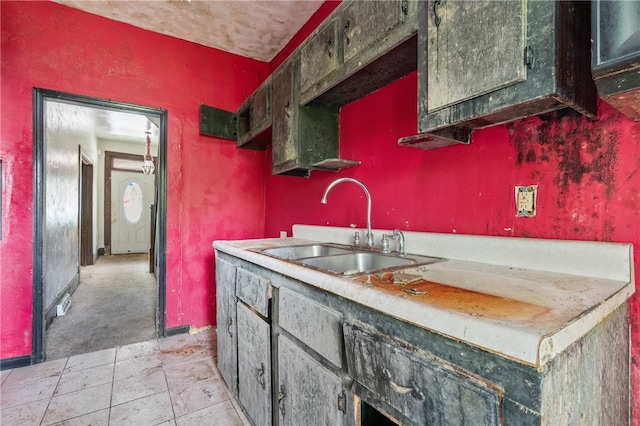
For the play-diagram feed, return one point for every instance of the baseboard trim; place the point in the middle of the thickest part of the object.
(50, 313)
(19, 361)
(182, 329)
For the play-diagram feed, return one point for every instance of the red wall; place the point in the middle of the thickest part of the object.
(214, 190)
(587, 172)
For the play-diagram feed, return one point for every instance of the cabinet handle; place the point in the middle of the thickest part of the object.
(260, 375)
(414, 390)
(328, 47)
(342, 402)
(347, 27)
(436, 19)
(229, 324)
(281, 396)
(287, 110)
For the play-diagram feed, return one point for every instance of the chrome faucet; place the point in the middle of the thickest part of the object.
(369, 235)
(399, 236)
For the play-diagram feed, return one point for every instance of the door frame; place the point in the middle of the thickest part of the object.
(85, 223)
(39, 97)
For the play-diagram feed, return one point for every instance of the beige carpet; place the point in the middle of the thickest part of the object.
(114, 305)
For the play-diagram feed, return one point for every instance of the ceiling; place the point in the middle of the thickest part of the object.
(256, 29)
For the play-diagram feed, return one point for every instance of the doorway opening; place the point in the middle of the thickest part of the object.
(61, 118)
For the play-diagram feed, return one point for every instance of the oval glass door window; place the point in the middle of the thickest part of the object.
(133, 202)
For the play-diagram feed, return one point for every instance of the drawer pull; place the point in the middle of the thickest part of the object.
(229, 324)
(414, 390)
(281, 396)
(260, 375)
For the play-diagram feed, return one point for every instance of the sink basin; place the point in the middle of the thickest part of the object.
(355, 263)
(344, 260)
(298, 252)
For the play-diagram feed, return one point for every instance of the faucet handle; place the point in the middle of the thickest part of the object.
(356, 239)
(385, 244)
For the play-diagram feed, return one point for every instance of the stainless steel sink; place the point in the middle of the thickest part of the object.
(345, 260)
(298, 252)
(355, 263)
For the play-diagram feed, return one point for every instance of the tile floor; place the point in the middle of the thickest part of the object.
(171, 381)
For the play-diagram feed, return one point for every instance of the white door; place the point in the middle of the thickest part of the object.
(131, 195)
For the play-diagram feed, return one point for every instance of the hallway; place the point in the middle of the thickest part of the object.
(114, 305)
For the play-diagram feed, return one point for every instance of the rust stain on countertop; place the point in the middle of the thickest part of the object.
(456, 299)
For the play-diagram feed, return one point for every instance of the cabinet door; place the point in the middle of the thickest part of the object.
(426, 390)
(364, 23)
(308, 393)
(254, 366)
(260, 106)
(473, 48)
(284, 148)
(226, 323)
(319, 56)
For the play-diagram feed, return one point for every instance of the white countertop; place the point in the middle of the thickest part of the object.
(525, 299)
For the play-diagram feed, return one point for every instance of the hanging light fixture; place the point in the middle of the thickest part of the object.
(148, 166)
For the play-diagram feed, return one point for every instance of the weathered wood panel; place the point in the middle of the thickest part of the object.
(254, 366)
(309, 394)
(425, 390)
(254, 290)
(226, 323)
(317, 326)
(588, 384)
(364, 23)
(319, 55)
(474, 47)
(284, 147)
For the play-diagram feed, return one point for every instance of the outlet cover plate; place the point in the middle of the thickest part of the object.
(526, 200)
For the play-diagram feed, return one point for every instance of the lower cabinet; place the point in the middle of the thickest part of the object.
(226, 323)
(254, 365)
(295, 355)
(417, 387)
(308, 393)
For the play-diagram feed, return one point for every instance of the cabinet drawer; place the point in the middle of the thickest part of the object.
(424, 389)
(315, 325)
(319, 57)
(253, 290)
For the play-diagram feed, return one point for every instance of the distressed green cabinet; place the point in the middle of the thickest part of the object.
(486, 62)
(319, 55)
(254, 365)
(254, 118)
(329, 361)
(305, 138)
(360, 48)
(254, 345)
(308, 393)
(226, 323)
(415, 386)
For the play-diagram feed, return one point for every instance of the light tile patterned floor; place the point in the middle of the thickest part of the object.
(172, 381)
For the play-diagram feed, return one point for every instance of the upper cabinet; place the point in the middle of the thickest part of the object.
(254, 118)
(361, 47)
(319, 56)
(487, 62)
(304, 138)
(468, 55)
(616, 54)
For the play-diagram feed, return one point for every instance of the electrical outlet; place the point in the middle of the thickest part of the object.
(526, 200)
